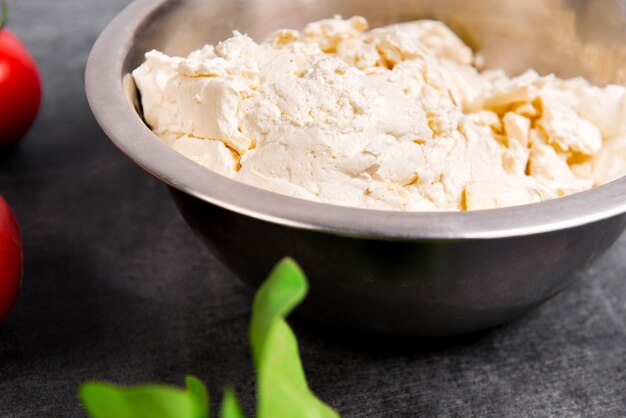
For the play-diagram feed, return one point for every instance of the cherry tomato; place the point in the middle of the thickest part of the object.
(10, 258)
(20, 89)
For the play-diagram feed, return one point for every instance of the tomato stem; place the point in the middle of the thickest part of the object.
(4, 14)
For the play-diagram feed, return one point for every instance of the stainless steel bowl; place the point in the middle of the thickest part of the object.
(417, 274)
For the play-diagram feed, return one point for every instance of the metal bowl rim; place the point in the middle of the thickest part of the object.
(128, 132)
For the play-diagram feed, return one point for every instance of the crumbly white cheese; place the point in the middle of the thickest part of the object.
(392, 118)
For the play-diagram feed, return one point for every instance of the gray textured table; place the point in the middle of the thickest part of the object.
(118, 288)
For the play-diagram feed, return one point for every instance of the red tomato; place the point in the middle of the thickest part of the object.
(10, 258)
(20, 89)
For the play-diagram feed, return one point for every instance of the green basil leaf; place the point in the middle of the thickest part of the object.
(197, 390)
(282, 390)
(103, 400)
(230, 405)
(283, 290)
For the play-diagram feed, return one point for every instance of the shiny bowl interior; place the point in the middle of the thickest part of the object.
(567, 37)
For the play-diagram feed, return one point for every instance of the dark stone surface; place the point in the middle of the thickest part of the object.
(118, 288)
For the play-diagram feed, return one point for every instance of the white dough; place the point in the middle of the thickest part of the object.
(393, 118)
